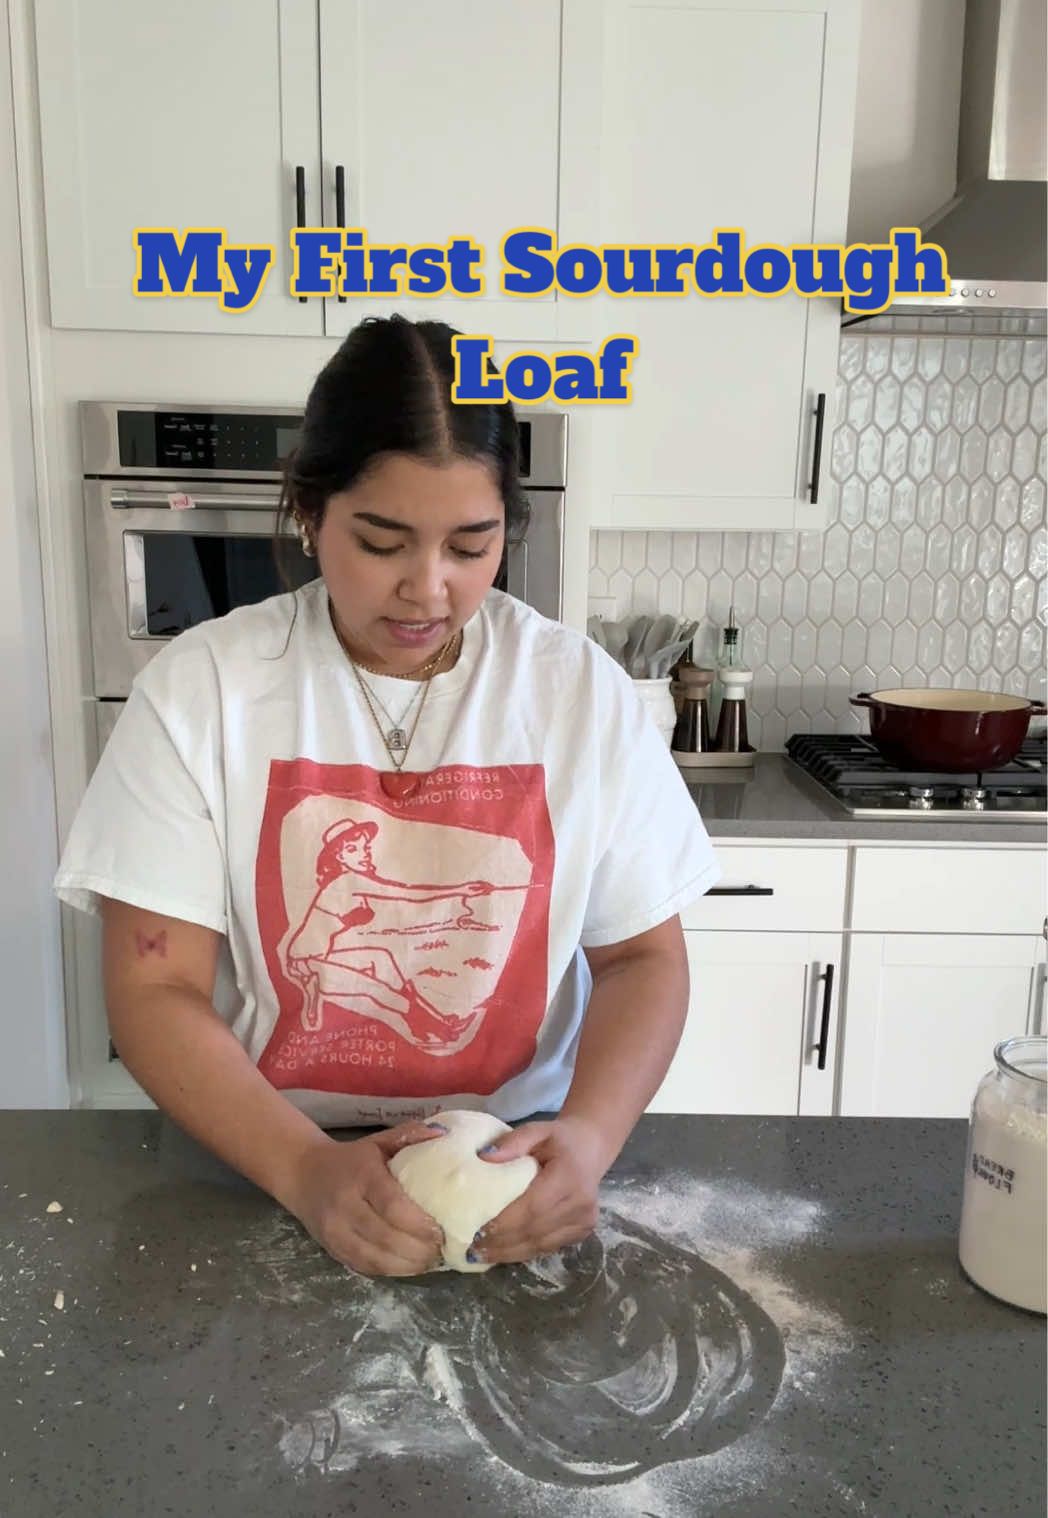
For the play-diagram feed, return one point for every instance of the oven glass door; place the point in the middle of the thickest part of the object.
(176, 580)
(154, 571)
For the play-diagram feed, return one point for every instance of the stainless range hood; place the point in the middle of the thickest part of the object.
(994, 230)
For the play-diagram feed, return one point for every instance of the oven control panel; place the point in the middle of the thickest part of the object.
(219, 441)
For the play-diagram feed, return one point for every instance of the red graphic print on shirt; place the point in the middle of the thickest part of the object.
(406, 939)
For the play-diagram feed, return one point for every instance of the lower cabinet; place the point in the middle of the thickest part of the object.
(923, 1012)
(934, 956)
(761, 1020)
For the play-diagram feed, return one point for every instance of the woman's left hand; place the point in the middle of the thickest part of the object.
(560, 1205)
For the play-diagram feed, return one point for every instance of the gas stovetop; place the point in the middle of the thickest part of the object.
(853, 772)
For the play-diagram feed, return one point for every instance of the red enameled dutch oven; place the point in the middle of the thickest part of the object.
(956, 731)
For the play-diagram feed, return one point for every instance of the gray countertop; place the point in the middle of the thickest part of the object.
(770, 1320)
(777, 800)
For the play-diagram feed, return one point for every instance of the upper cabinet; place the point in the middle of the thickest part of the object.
(187, 115)
(680, 120)
(601, 121)
(444, 120)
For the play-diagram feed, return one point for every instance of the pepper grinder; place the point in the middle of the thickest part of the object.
(732, 737)
(691, 736)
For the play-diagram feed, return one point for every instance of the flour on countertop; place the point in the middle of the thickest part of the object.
(404, 1394)
(734, 1228)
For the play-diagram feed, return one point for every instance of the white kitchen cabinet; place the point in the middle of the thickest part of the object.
(598, 120)
(177, 116)
(446, 121)
(776, 889)
(949, 890)
(760, 1003)
(923, 1013)
(679, 120)
(759, 946)
(946, 959)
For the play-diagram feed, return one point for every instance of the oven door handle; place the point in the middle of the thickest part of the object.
(123, 499)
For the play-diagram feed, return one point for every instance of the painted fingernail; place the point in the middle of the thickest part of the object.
(438, 1126)
(478, 1237)
(488, 1149)
(473, 1257)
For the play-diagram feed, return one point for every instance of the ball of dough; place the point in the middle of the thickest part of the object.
(460, 1191)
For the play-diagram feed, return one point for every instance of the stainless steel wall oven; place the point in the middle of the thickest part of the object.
(180, 508)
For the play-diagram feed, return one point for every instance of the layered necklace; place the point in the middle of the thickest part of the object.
(396, 738)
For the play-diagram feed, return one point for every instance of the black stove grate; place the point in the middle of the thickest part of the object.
(841, 761)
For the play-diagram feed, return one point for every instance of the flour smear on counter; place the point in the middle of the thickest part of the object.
(676, 1403)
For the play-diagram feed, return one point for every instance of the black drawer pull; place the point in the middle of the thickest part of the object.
(750, 890)
(340, 205)
(300, 207)
(816, 463)
(824, 1031)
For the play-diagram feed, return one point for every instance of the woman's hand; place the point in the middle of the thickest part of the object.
(560, 1205)
(345, 1196)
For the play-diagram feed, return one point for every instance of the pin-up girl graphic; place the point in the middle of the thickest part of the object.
(334, 956)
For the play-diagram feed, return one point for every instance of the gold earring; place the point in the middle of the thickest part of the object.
(308, 546)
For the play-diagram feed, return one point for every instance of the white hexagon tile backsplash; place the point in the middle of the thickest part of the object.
(933, 569)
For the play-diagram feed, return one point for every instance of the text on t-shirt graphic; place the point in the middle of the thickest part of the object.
(406, 940)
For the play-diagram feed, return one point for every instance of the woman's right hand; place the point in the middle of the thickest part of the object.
(346, 1197)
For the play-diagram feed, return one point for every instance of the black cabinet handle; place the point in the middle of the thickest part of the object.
(750, 890)
(824, 1030)
(300, 207)
(816, 463)
(340, 205)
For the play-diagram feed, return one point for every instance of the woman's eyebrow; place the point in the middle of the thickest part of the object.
(478, 526)
(392, 526)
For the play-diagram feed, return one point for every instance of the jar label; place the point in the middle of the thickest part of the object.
(994, 1174)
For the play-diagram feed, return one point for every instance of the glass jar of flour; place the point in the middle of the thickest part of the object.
(1004, 1215)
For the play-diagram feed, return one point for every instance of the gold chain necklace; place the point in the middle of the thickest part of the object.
(395, 736)
(396, 740)
(397, 743)
(411, 674)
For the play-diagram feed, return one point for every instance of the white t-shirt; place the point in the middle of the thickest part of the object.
(385, 956)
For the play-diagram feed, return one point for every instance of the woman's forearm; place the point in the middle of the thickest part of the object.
(180, 1051)
(631, 1030)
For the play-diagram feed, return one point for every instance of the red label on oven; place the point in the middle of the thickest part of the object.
(406, 938)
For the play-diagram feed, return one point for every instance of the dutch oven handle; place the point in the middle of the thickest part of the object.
(1038, 709)
(862, 699)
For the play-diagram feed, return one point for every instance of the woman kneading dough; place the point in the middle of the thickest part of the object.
(392, 845)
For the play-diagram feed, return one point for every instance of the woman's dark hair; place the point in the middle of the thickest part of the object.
(388, 390)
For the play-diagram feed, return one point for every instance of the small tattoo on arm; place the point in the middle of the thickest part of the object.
(146, 945)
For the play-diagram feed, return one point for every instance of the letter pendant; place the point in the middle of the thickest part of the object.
(397, 741)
